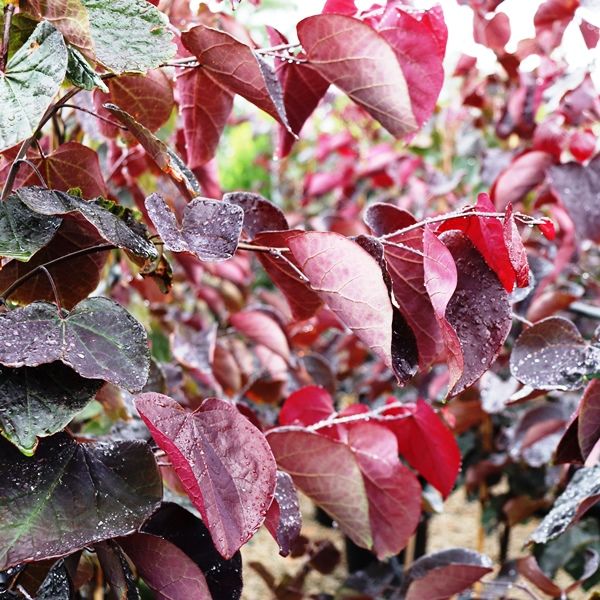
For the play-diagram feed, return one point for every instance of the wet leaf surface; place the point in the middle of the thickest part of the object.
(260, 214)
(284, 520)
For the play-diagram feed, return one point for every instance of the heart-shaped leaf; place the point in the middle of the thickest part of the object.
(39, 402)
(22, 231)
(169, 573)
(355, 58)
(209, 229)
(222, 460)
(71, 495)
(111, 227)
(99, 339)
(32, 78)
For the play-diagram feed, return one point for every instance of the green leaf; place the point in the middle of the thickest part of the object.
(22, 231)
(81, 74)
(71, 495)
(32, 79)
(98, 338)
(38, 402)
(111, 227)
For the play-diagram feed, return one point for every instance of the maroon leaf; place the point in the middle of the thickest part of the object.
(530, 569)
(262, 328)
(259, 213)
(383, 218)
(440, 575)
(349, 280)
(222, 460)
(284, 520)
(516, 251)
(99, 339)
(427, 445)
(168, 571)
(236, 67)
(354, 57)
(568, 450)
(440, 279)
(374, 498)
(205, 107)
(306, 406)
(210, 229)
(116, 570)
(303, 301)
(550, 355)
(576, 185)
(479, 310)
(588, 430)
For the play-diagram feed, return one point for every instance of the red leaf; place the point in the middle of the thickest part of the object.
(306, 406)
(582, 144)
(529, 568)
(487, 235)
(588, 428)
(234, 66)
(427, 445)
(222, 460)
(479, 310)
(284, 520)
(167, 570)
(263, 329)
(383, 218)
(303, 301)
(493, 33)
(340, 7)
(349, 280)
(260, 214)
(516, 251)
(352, 56)
(590, 33)
(205, 107)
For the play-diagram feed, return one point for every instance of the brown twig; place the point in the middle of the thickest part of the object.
(9, 11)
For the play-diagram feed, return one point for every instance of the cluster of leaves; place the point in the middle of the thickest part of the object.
(278, 351)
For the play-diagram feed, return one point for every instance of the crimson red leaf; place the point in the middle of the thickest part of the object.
(259, 213)
(284, 520)
(340, 7)
(306, 406)
(168, 571)
(479, 310)
(349, 280)
(209, 229)
(354, 57)
(440, 279)
(205, 107)
(576, 185)
(588, 430)
(440, 575)
(516, 251)
(550, 355)
(303, 302)
(427, 445)
(236, 67)
(222, 460)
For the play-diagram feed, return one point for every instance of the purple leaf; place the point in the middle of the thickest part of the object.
(259, 213)
(99, 339)
(71, 495)
(222, 460)
(588, 430)
(210, 229)
(284, 519)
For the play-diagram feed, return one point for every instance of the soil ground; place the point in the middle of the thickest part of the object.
(457, 526)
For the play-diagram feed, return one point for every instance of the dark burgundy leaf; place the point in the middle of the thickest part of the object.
(110, 226)
(479, 310)
(576, 185)
(354, 57)
(166, 160)
(568, 450)
(349, 280)
(284, 519)
(588, 430)
(74, 234)
(440, 575)
(71, 495)
(516, 251)
(384, 219)
(303, 301)
(99, 339)
(209, 229)
(579, 496)
(22, 231)
(550, 355)
(116, 571)
(223, 461)
(57, 585)
(38, 402)
(259, 213)
(169, 573)
(189, 534)
(205, 107)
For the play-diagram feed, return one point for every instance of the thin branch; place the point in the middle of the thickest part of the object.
(44, 270)
(374, 415)
(35, 170)
(9, 10)
(99, 117)
(21, 280)
(586, 310)
(521, 319)
(277, 48)
(290, 58)
(511, 585)
(402, 246)
(24, 592)
(264, 249)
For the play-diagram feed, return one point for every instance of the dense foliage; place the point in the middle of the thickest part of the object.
(411, 310)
